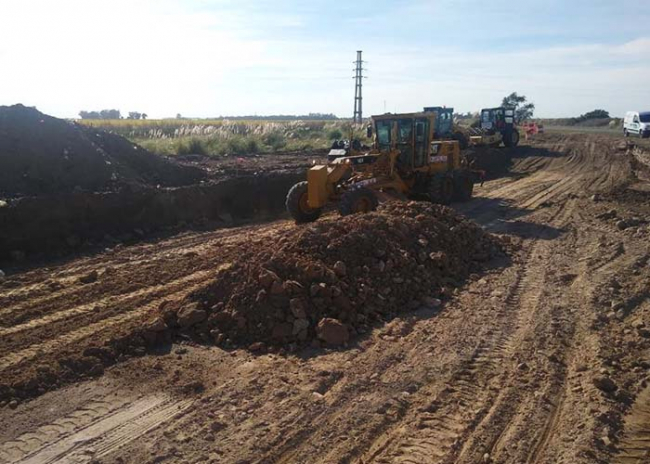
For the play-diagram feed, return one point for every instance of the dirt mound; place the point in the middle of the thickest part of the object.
(41, 155)
(331, 280)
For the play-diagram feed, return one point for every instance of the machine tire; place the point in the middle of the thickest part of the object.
(441, 190)
(358, 200)
(463, 141)
(511, 140)
(297, 206)
(463, 187)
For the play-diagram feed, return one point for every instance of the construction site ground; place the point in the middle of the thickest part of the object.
(544, 358)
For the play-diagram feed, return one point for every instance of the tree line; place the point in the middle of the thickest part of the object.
(111, 114)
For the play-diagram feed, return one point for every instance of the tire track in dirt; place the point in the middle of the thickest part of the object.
(634, 446)
(113, 300)
(93, 431)
(40, 294)
(54, 344)
(440, 435)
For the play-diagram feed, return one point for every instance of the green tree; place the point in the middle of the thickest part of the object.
(523, 109)
(595, 114)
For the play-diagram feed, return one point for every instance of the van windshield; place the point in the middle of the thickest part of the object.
(645, 117)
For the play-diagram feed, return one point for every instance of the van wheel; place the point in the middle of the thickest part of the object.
(626, 133)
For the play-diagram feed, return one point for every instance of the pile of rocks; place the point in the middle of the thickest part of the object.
(326, 282)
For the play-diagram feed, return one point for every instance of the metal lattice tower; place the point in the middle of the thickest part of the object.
(358, 83)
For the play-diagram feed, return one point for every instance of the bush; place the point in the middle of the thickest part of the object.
(193, 146)
(252, 146)
(335, 134)
(275, 140)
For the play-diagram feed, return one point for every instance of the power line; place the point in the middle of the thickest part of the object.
(358, 84)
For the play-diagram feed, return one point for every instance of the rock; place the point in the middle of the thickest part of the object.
(89, 278)
(3, 204)
(13, 404)
(191, 315)
(2, 276)
(340, 269)
(299, 325)
(292, 287)
(277, 288)
(332, 332)
(297, 306)
(266, 278)
(622, 224)
(430, 302)
(217, 426)
(315, 271)
(257, 346)
(605, 384)
(282, 330)
(595, 197)
(155, 325)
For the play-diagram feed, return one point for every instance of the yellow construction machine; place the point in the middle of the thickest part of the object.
(407, 160)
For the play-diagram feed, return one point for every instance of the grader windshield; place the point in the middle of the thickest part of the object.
(409, 134)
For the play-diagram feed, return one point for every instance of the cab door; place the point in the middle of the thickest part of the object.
(421, 145)
(445, 123)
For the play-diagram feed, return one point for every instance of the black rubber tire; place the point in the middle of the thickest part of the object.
(295, 203)
(441, 190)
(358, 200)
(511, 139)
(463, 187)
(463, 141)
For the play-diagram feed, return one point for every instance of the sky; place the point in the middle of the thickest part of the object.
(209, 58)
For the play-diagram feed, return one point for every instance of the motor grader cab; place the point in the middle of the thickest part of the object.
(445, 129)
(497, 127)
(406, 160)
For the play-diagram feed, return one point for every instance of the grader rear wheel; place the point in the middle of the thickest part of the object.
(297, 204)
(358, 200)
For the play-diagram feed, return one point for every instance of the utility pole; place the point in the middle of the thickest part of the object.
(358, 83)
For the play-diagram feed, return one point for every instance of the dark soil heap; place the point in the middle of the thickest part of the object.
(330, 280)
(42, 155)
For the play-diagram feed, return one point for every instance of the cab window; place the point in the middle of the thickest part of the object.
(383, 134)
(405, 130)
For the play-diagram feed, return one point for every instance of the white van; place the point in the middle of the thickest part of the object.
(637, 123)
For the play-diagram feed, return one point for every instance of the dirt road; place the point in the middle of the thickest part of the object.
(544, 359)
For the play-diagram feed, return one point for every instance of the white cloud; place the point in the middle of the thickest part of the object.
(205, 58)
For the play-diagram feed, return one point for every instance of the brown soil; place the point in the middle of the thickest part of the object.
(355, 271)
(542, 359)
(42, 155)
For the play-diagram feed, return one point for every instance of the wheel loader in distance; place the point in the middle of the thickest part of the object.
(406, 160)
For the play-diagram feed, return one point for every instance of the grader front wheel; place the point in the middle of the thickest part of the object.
(297, 204)
(358, 200)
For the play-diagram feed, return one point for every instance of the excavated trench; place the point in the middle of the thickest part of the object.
(71, 221)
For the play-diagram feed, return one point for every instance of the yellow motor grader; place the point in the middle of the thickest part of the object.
(406, 160)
